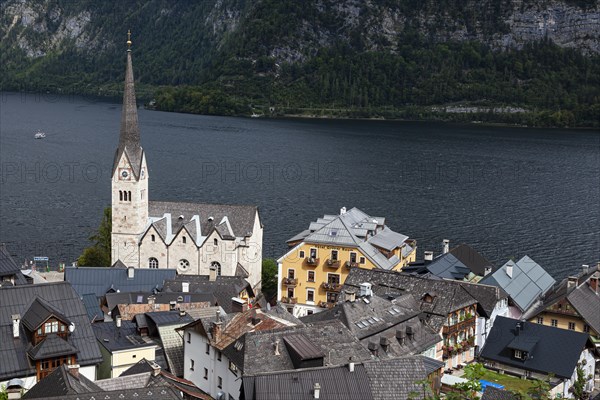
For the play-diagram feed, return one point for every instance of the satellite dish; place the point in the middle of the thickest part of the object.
(72, 327)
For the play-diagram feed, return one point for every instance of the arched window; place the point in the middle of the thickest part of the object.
(216, 242)
(152, 262)
(217, 267)
(124, 196)
(184, 264)
(120, 195)
(153, 238)
(184, 239)
(129, 195)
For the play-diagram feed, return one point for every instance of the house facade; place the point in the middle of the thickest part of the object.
(313, 271)
(192, 238)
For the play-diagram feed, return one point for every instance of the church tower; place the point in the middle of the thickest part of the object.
(129, 180)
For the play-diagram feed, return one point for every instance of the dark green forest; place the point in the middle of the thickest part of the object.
(186, 64)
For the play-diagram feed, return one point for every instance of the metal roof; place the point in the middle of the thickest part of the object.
(92, 306)
(303, 347)
(38, 312)
(86, 280)
(529, 281)
(16, 300)
(116, 339)
(448, 266)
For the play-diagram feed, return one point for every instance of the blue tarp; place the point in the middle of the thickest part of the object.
(485, 384)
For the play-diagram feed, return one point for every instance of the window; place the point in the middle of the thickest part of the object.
(218, 355)
(572, 326)
(153, 238)
(152, 262)
(142, 194)
(219, 382)
(233, 368)
(290, 292)
(216, 242)
(120, 195)
(540, 320)
(518, 354)
(334, 255)
(192, 365)
(207, 348)
(184, 264)
(51, 327)
(586, 328)
(362, 260)
(352, 257)
(205, 373)
(216, 266)
(189, 337)
(333, 278)
(554, 322)
(309, 312)
(301, 254)
(310, 295)
(332, 297)
(184, 239)
(313, 253)
(291, 273)
(311, 276)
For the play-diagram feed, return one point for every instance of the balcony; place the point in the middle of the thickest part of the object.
(333, 263)
(290, 281)
(332, 287)
(289, 300)
(351, 264)
(312, 261)
(462, 325)
(325, 304)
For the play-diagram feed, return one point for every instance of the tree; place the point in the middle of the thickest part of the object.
(98, 255)
(269, 278)
(579, 384)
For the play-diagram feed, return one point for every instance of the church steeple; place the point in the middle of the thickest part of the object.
(129, 138)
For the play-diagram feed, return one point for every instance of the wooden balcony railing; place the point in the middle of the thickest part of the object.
(351, 264)
(331, 287)
(312, 261)
(290, 281)
(333, 263)
(289, 300)
(325, 304)
(460, 326)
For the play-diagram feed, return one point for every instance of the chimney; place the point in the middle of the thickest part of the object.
(238, 305)
(384, 342)
(351, 295)
(185, 287)
(487, 271)
(155, 368)
(277, 347)
(255, 321)
(181, 313)
(428, 256)
(410, 332)
(350, 364)
(445, 246)
(585, 269)
(509, 269)
(317, 390)
(118, 321)
(342, 210)
(401, 336)
(74, 370)
(571, 281)
(373, 346)
(16, 319)
(130, 273)
(365, 289)
(594, 282)
(212, 274)
(216, 331)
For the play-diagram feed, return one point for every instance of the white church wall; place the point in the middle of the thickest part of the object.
(156, 249)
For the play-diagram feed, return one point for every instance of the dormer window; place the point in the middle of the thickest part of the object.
(518, 354)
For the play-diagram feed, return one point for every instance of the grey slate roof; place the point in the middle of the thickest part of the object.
(52, 346)
(337, 383)
(151, 393)
(38, 312)
(116, 339)
(471, 259)
(140, 367)
(167, 318)
(114, 299)
(8, 267)
(397, 378)
(61, 382)
(492, 393)
(16, 300)
(528, 283)
(381, 319)
(241, 217)
(448, 266)
(555, 350)
(99, 281)
(332, 337)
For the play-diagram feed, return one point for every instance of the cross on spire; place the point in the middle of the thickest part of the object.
(129, 39)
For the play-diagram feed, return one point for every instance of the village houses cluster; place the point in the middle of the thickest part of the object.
(356, 314)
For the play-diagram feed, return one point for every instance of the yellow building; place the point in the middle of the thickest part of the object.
(573, 305)
(313, 271)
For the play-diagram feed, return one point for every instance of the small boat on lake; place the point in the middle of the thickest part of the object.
(39, 135)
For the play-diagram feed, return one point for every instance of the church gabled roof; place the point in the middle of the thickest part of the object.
(129, 138)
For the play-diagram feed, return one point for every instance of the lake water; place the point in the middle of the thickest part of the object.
(506, 191)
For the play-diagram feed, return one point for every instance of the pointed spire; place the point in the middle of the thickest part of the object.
(130, 134)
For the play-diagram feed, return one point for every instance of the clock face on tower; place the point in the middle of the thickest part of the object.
(124, 174)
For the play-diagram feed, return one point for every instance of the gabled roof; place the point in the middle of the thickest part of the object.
(447, 266)
(38, 312)
(99, 281)
(587, 304)
(116, 339)
(8, 267)
(52, 346)
(552, 350)
(472, 259)
(92, 306)
(492, 393)
(61, 382)
(152, 393)
(529, 281)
